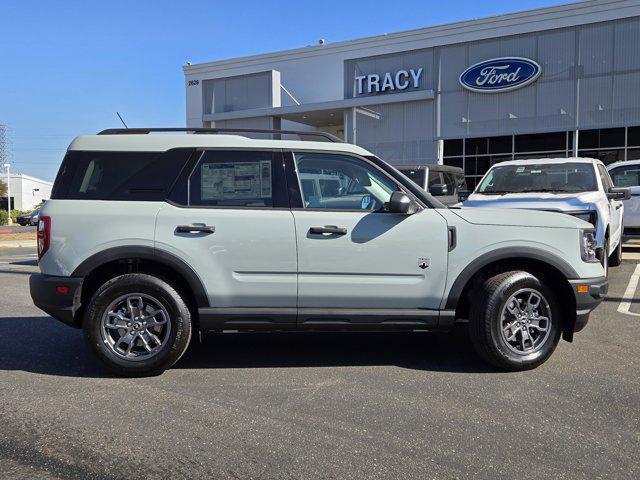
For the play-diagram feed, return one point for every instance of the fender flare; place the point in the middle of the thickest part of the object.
(147, 253)
(506, 253)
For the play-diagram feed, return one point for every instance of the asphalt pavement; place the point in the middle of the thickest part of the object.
(317, 406)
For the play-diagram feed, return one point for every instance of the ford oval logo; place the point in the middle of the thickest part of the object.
(500, 74)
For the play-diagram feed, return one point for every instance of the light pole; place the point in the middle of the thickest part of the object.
(8, 167)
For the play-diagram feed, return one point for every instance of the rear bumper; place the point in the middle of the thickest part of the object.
(588, 299)
(47, 296)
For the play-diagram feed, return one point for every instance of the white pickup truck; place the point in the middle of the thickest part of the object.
(580, 187)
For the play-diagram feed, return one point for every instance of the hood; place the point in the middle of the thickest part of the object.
(564, 202)
(519, 218)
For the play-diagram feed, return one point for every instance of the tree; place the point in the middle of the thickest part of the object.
(3, 189)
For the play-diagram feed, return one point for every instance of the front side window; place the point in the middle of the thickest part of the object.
(234, 179)
(334, 181)
(550, 177)
(626, 176)
(604, 176)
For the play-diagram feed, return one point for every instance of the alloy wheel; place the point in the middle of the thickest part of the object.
(135, 326)
(525, 322)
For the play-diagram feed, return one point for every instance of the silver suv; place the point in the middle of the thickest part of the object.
(148, 239)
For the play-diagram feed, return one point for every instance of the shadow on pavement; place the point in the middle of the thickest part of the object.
(44, 345)
(418, 351)
(620, 299)
(17, 272)
(55, 349)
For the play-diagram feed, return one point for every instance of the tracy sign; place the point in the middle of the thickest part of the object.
(500, 74)
(390, 81)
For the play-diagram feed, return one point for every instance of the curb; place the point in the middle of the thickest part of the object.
(18, 244)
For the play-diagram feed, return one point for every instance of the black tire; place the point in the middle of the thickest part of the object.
(485, 322)
(176, 338)
(615, 259)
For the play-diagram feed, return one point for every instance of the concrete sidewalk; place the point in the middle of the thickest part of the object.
(13, 238)
(27, 243)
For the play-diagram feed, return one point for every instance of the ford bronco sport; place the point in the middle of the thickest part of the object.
(151, 238)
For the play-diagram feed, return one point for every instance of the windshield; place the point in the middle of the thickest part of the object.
(543, 177)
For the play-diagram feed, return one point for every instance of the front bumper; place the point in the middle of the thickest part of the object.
(589, 293)
(49, 294)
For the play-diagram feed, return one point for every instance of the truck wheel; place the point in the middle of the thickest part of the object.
(615, 259)
(514, 322)
(138, 325)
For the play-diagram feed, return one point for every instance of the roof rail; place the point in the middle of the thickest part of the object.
(142, 131)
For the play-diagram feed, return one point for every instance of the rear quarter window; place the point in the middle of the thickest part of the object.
(143, 176)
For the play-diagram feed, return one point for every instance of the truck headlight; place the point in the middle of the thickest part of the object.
(590, 216)
(588, 246)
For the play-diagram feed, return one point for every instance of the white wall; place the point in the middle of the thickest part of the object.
(23, 194)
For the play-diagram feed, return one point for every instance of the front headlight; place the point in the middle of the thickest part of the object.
(590, 216)
(588, 246)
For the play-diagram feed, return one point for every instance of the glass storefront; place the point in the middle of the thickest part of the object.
(476, 155)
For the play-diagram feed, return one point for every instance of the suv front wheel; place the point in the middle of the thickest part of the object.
(515, 321)
(138, 325)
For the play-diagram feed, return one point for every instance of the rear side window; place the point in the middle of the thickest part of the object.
(142, 176)
(237, 179)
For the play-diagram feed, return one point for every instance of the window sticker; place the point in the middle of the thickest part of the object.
(520, 170)
(235, 181)
(366, 201)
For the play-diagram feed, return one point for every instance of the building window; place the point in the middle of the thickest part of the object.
(541, 142)
(476, 155)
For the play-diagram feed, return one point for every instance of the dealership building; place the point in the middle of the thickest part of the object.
(552, 82)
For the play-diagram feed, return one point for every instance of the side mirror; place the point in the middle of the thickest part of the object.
(618, 194)
(463, 195)
(438, 190)
(402, 203)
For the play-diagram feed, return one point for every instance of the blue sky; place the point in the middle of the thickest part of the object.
(66, 67)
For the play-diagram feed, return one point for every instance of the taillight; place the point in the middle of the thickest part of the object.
(44, 235)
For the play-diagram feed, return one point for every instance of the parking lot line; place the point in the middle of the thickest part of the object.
(625, 304)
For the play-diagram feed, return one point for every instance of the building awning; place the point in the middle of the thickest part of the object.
(321, 113)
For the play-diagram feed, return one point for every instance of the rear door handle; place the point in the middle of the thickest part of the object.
(195, 229)
(328, 229)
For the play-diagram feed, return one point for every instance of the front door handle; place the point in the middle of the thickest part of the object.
(195, 229)
(328, 229)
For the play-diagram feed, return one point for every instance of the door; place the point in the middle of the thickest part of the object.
(615, 208)
(231, 223)
(356, 262)
(629, 177)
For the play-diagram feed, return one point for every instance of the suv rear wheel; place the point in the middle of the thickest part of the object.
(515, 321)
(138, 325)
